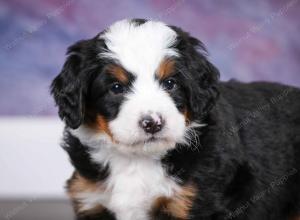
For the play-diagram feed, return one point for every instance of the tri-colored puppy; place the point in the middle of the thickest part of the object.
(154, 135)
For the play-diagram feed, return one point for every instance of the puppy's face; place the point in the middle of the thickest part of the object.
(139, 86)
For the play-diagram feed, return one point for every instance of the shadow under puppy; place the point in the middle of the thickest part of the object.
(153, 134)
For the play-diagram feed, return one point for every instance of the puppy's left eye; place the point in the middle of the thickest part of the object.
(169, 84)
(117, 88)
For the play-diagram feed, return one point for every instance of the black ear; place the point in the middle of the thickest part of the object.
(203, 76)
(67, 88)
(203, 91)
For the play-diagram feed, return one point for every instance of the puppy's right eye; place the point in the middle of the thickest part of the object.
(169, 84)
(117, 88)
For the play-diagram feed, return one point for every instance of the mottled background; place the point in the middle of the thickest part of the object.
(247, 40)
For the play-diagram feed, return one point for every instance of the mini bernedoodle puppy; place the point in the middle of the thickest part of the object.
(154, 135)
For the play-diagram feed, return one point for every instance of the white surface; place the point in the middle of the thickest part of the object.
(32, 164)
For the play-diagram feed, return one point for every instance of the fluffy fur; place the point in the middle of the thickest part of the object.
(224, 150)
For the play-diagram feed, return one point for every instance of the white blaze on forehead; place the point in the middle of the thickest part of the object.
(139, 48)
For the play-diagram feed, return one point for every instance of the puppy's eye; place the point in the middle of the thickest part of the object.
(117, 88)
(169, 84)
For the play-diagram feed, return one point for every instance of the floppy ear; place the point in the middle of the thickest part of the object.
(204, 94)
(202, 84)
(67, 88)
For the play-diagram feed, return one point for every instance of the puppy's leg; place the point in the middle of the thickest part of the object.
(159, 210)
(85, 195)
(104, 215)
(176, 208)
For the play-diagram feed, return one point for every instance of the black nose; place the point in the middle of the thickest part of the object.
(151, 125)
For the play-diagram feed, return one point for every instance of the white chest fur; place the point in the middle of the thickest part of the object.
(132, 186)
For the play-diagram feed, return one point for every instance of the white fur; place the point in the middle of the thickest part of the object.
(139, 49)
(135, 180)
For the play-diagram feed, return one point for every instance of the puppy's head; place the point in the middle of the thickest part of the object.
(138, 86)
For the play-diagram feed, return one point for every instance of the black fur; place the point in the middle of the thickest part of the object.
(70, 87)
(80, 158)
(105, 215)
(247, 163)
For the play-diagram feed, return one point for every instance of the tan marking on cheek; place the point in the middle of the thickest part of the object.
(187, 116)
(179, 205)
(78, 185)
(166, 68)
(102, 125)
(119, 73)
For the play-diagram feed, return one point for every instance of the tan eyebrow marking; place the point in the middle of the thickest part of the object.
(119, 73)
(166, 68)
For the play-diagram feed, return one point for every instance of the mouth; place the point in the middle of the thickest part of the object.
(152, 139)
(149, 140)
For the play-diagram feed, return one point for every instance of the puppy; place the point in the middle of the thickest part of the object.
(154, 135)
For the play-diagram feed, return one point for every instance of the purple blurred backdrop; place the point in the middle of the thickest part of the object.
(247, 40)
